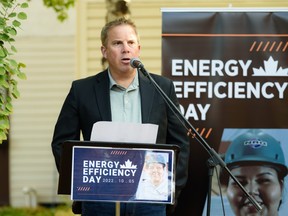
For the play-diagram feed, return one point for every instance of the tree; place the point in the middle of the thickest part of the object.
(11, 15)
(60, 7)
(115, 8)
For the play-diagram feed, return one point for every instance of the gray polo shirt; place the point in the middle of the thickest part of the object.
(125, 102)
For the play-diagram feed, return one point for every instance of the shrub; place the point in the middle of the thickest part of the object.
(39, 211)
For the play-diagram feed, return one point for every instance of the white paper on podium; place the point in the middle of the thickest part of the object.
(124, 132)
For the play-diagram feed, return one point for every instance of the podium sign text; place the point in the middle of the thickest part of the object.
(123, 174)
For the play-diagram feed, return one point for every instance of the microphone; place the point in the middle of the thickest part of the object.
(136, 63)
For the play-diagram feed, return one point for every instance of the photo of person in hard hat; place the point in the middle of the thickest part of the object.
(153, 184)
(257, 160)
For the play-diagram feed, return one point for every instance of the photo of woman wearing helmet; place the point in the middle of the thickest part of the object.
(256, 157)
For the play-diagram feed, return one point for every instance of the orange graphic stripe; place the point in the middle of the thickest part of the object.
(202, 133)
(259, 46)
(224, 35)
(268, 46)
(208, 133)
(240, 35)
(252, 47)
(285, 47)
(273, 44)
(278, 48)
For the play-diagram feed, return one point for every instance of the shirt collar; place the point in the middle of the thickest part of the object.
(133, 85)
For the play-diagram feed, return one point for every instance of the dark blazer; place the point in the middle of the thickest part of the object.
(88, 101)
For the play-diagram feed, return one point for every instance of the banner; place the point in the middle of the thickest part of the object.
(230, 70)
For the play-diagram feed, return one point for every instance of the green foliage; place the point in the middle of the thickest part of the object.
(11, 15)
(63, 210)
(8, 211)
(60, 7)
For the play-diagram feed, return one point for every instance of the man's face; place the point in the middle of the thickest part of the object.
(122, 45)
(156, 172)
(262, 183)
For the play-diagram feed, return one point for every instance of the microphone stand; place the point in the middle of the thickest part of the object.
(211, 165)
(216, 157)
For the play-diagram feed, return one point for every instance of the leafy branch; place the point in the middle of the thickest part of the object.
(60, 7)
(10, 69)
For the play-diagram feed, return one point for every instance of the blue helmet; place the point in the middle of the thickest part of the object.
(156, 158)
(255, 146)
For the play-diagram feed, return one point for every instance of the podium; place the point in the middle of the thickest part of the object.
(118, 171)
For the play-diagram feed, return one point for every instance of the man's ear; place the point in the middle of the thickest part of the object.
(139, 48)
(103, 51)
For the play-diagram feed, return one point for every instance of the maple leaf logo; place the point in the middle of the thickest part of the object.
(128, 165)
(270, 69)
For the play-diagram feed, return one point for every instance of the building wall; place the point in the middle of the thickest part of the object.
(47, 47)
(55, 54)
